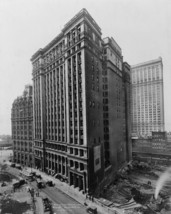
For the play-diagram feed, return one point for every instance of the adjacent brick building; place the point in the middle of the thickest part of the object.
(22, 128)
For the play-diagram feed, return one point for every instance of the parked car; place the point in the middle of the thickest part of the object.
(92, 210)
(16, 185)
(13, 165)
(30, 178)
(58, 176)
(33, 173)
(50, 183)
(18, 167)
(38, 176)
(41, 185)
(3, 184)
(47, 204)
(19, 183)
(22, 182)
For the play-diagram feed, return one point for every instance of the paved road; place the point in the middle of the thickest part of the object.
(62, 203)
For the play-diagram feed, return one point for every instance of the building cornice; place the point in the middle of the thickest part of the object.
(147, 63)
(78, 16)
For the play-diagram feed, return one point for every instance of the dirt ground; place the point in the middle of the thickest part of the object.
(14, 202)
(134, 188)
(17, 202)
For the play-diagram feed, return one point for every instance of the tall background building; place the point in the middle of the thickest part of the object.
(80, 93)
(147, 98)
(22, 128)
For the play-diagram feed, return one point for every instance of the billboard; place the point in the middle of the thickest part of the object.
(97, 158)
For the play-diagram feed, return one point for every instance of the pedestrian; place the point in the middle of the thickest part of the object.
(92, 199)
(86, 196)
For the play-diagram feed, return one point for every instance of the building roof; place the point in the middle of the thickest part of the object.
(113, 43)
(147, 63)
(83, 12)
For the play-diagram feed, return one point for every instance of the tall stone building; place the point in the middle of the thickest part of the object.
(116, 105)
(147, 97)
(79, 105)
(22, 128)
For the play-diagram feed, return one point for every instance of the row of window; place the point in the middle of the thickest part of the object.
(77, 165)
(76, 152)
(57, 147)
(146, 74)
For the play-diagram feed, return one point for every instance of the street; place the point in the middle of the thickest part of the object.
(62, 203)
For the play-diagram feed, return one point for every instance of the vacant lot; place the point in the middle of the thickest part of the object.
(135, 186)
(5, 155)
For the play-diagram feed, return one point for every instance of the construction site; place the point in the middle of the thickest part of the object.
(133, 189)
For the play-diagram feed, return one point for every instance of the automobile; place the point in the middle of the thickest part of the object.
(41, 185)
(3, 184)
(16, 185)
(22, 182)
(12, 165)
(47, 204)
(66, 180)
(39, 176)
(58, 176)
(33, 174)
(92, 210)
(30, 178)
(50, 183)
(19, 183)
(18, 167)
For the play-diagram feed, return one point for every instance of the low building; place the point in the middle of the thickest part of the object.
(157, 147)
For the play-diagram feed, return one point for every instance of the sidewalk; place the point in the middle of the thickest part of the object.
(77, 195)
(39, 205)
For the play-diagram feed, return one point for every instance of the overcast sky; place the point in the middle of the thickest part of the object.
(142, 28)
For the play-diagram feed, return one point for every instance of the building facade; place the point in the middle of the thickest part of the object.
(22, 128)
(74, 136)
(147, 98)
(156, 148)
(116, 105)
